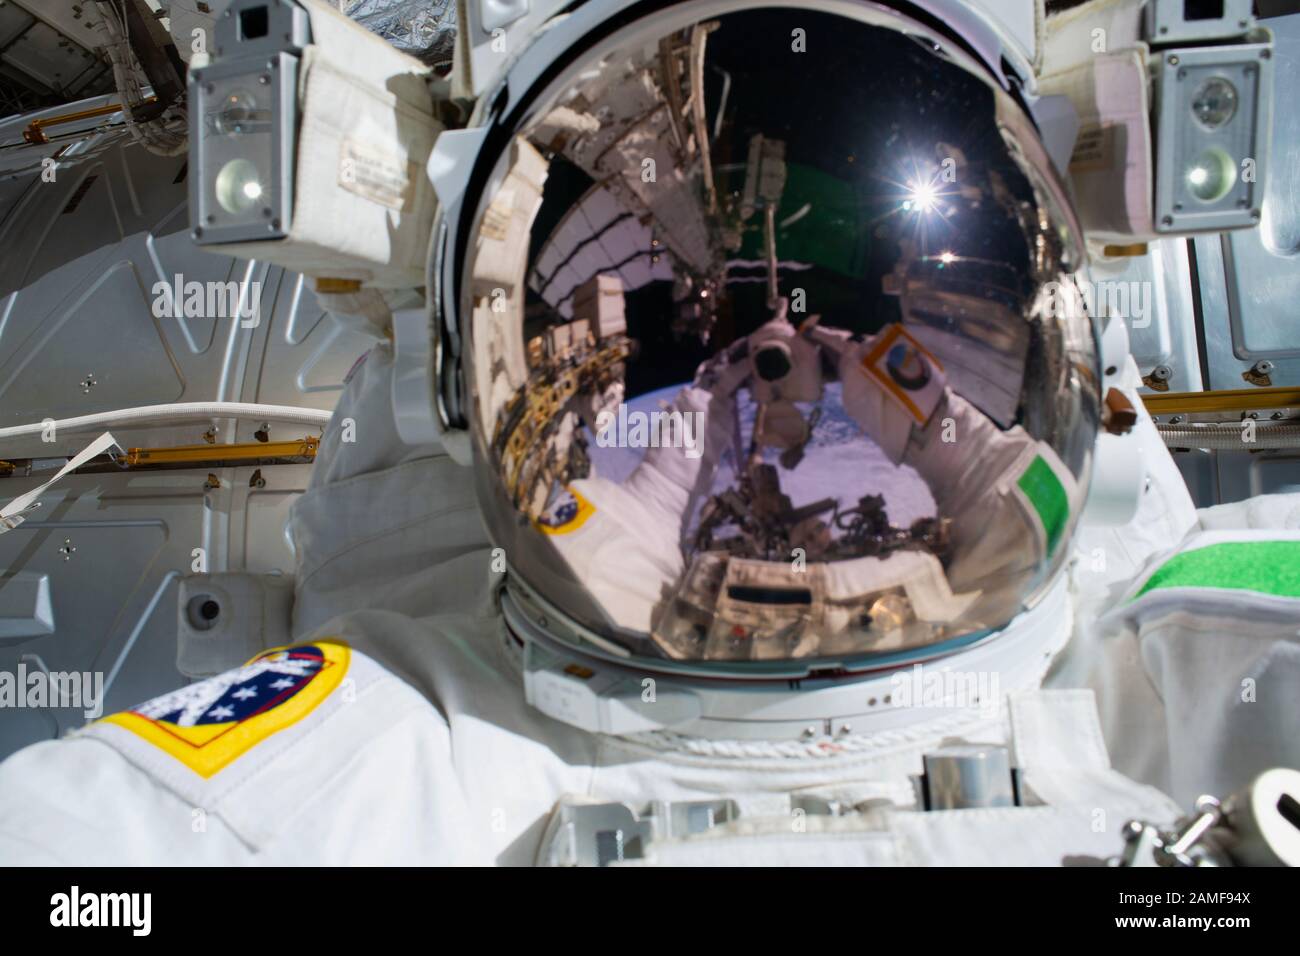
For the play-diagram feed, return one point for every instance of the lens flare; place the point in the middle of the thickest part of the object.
(922, 197)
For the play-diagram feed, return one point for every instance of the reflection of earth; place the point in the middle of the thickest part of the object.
(839, 461)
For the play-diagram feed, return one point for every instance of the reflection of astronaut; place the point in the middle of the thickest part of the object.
(895, 390)
(668, 546)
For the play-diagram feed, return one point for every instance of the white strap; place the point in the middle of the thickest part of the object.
(14, 513)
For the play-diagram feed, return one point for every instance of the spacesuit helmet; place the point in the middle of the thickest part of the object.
(770, 355)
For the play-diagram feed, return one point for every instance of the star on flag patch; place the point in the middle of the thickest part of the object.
(208, 724)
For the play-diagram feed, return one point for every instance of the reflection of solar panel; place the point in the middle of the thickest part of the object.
(989, 377)
(596, 237)
(981, 278)
(971, 314)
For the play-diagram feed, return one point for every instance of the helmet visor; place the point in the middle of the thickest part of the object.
(774, 353)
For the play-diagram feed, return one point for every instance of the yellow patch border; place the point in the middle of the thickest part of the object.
(585, 510)
(208, 749)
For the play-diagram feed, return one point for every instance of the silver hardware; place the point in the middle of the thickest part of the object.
(1259, 826)
(963, 776)
(598, 834)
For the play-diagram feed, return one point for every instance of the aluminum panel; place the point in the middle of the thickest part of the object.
(79, 260)
(1161, 317)
(1250, 281)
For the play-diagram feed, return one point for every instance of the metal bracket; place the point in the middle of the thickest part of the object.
(598, 834)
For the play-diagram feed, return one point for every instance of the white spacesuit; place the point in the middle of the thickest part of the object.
(413, 742)
(727, 655)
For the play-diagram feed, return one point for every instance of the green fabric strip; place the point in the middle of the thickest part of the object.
(1269, 567)
(1046, 493)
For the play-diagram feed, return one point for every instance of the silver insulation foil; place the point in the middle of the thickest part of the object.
(426, 29)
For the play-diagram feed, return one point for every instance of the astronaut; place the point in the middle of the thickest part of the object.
(471, 679)
(402, 732)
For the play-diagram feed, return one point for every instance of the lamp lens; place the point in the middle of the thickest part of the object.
(239, 187)
(1215, 102)
(239, 114)
(1211, 175)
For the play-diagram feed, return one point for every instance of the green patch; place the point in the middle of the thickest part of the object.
(1269, 567)
(1046, 493)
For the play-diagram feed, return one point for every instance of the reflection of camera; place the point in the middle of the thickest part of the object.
(772, 362)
